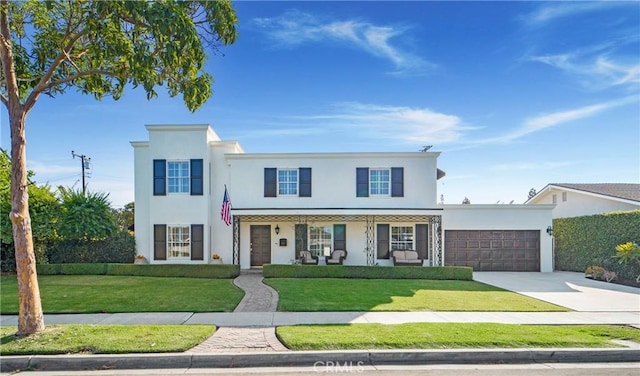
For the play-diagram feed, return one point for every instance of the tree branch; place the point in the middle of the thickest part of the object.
(79, 75)
(43, 83)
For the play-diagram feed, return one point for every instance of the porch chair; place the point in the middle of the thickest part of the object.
(337, 257)
(306, 258)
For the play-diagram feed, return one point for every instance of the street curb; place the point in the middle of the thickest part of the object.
(313, 358)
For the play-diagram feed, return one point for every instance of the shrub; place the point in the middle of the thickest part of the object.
(629, 253)
(117, 248)
(367, 272)
(190, 271)
(591, 240)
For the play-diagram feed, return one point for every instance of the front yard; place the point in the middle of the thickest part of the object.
(113, 294)
(340, 294)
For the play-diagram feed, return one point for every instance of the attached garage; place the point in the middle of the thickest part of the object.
(493, 250)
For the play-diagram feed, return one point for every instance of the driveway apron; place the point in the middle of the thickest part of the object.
(567, 289)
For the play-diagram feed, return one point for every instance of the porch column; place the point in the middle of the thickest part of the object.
(437, 253)
(236, 240)
(370, 239)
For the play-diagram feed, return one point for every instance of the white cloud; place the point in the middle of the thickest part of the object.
(598, 71)
(552, 11)
(48, 170)
(294, 28)
(524, 166)
(408, 125)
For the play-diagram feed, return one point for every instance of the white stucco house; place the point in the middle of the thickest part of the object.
(283, 203)
(573, 200)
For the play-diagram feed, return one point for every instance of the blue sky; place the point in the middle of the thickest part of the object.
(515, 95)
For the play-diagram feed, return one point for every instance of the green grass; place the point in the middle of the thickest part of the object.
(104, 339)
(450, 336)
(333, 294)
(112, 294)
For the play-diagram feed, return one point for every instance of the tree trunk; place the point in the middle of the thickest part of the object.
(30, 318)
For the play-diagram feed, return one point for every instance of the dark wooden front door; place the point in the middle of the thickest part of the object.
(260, 245)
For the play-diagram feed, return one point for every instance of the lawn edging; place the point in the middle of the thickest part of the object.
(462, 273)
(214, 271)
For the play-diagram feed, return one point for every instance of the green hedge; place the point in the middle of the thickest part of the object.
(117, 248)
(188, 271)
(591, 240)
(367, 272)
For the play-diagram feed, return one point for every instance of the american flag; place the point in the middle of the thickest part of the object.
(225, 211)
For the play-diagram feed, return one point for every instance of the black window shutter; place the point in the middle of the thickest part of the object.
(340, 237)
(304, 174)
(159, 242)
(397, 182)
(362, 182)
(301, 239)
(159, 177)
(422, 236)
(270, 182)
(196, 177)
(382, 235)
(197, 242)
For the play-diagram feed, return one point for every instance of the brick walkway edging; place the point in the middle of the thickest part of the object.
(258, 298)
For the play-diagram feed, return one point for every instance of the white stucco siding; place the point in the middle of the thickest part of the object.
(579, 204)
(334, 179)
(504, 217)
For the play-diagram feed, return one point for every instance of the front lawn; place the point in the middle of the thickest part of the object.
(112, 294)
(105, 339)
(450, 336)
(339, 294)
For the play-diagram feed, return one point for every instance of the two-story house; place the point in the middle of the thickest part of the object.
(283, 203)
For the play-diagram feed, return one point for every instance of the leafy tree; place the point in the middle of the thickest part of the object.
(44, 208)
(96, 47)
(125, 217)
(532, 192)
(85, 216)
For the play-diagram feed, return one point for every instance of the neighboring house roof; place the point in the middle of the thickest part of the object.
(624, 191)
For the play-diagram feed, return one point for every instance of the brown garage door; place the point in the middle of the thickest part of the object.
(493, 250)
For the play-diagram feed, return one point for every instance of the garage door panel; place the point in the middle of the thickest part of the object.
(493, 250)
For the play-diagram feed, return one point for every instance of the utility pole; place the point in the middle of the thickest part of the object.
(84, 161)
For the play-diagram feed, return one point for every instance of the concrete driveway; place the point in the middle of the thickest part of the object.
(567, 289)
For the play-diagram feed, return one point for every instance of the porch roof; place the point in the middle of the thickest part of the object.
(350, 214)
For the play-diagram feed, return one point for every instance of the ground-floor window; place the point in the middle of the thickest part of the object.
(401, 237)
(320, 237)
(178, 241)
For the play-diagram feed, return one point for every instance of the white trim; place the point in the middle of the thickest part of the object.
(550, 187)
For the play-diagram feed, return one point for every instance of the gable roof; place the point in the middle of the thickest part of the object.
(618, 190)
(624, 191)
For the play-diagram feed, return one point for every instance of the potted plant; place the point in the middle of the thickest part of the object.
(216, 259)
(140, 259)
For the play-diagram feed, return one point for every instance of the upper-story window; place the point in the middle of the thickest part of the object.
(380, 182)
(564, 196)
(178, 176)
(287, 182)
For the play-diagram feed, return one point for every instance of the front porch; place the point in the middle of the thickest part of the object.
(271, 237)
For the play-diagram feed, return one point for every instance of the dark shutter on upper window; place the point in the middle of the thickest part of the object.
(159, 177)
(159, 242)
(270, 182)
(382, 237)
(422, 236)
(301, 238)
(197, 242)
(362, 182)
(196, 177)
(340, 237)
(304, 174)
(397, 182)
